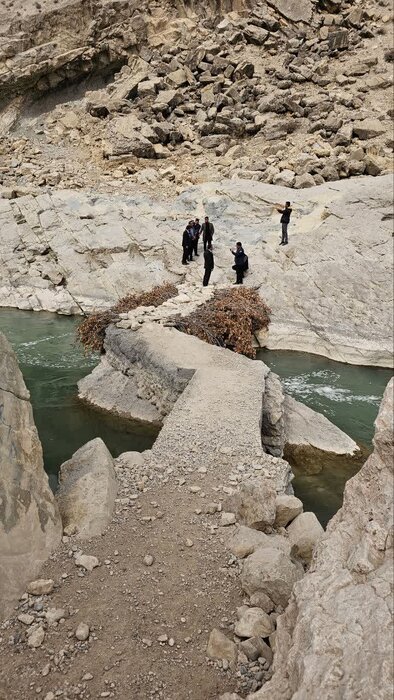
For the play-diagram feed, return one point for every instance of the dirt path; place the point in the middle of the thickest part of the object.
(189, 589)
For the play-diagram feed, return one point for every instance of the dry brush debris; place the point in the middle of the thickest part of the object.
(230, 319)
(91, 331)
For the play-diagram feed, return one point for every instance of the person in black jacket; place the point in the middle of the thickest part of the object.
(186, 245)
(240, 260)
(196, 235)
(284, 220)
(209, 264)
(207, 233)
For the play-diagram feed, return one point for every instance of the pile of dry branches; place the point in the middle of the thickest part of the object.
(91, 331)
(229, 319)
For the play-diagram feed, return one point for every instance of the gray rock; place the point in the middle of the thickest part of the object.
(272, 572)
(40, 587)
(304, 534)
(368, 128)
(256, 648)
(287, 508)
(246, 540)
(82, 632)
(221, 647)
(86, 561)
(300, 11)
(254, 623)
(36, 638)
(255, 503)
(87, 490)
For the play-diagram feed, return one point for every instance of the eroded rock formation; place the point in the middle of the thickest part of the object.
(30, 526)
(329, 290)
(335, 638)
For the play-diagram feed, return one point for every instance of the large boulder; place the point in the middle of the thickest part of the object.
(287, 508)
(271, 571)
(87, 491)
(308, 428)
(300, 11)
(246, 540)
(30, 525)
(304, 534)
(335, 638)
(254, 504)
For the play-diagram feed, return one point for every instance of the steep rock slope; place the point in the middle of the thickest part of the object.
(30, 526)
(287, 93)
(335, 639)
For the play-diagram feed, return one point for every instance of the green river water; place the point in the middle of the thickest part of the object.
(52, 363)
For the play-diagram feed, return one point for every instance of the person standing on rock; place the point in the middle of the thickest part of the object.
(197, 233)
(207, 233)
(190, 228)
(209, 264)
(240, 262)
(284, 220)
(186, 245)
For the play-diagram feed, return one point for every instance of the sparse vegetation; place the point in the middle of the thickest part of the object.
(91, 331)
(230, 319)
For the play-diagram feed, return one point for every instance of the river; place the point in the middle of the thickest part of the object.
(349, 395)
(52, 362)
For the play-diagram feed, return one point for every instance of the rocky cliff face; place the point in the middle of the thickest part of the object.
(288, 93)
(30, 526)
(335, 639)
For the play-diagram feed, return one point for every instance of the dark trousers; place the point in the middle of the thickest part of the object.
(207, 274)
(185, 254)
(239, 271)
(195, 246)
(284, 233)
(207, 242)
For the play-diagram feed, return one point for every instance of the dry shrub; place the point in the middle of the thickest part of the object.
(91, 331)
(229, 319)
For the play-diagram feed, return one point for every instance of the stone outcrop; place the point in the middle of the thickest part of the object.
(328, 290)
(335, 638)
(30, 526)
(87, 490)
(291, 93)
(311, 441)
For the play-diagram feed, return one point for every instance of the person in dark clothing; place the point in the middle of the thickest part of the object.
(284, 220)
(209, 264)
(186, 245)
(190, 228)
(240, 260)
(197, 233)
(207, 233)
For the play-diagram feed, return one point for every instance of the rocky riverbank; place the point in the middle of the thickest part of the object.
(329, 290)
(184, 527)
